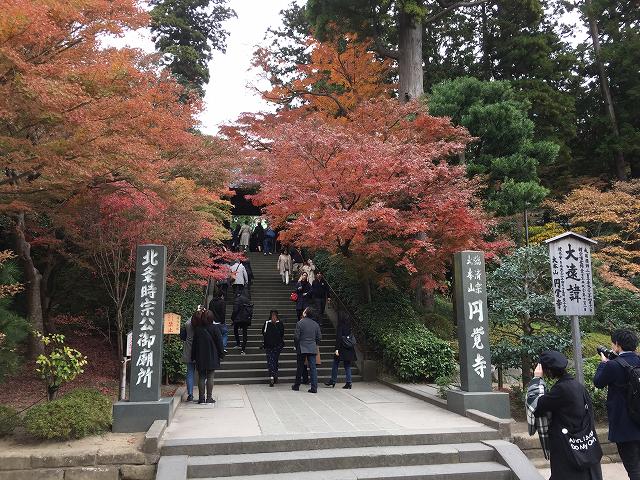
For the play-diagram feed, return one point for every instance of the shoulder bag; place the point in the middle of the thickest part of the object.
(582, 446)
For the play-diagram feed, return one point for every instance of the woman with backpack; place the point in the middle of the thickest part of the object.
(207, 351)
(273, 343)
(345, 351)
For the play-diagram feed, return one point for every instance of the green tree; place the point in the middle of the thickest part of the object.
(611, 130)
(505, 152)
(187, 32)
(395, 26)
(521, 310)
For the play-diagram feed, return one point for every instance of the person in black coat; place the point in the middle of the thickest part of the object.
(273, 343)
(218, 306)
(320, 292)
(342, 352)
(612, 374)
(206, 352)
(240, 316)
(303, 289)
(566, 403)
(258, 232)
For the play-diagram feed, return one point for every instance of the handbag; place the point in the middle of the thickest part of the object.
(294, 296)
(582, 446)
(349, 341)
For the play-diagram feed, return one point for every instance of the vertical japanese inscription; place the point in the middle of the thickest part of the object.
(571, 276)
(146, 356)
(473, 324)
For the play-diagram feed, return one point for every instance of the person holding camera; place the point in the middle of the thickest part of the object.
(616, 371)
(568, 411)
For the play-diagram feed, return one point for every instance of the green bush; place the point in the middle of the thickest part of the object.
(391, 327)
(9, 420)
(77, 414)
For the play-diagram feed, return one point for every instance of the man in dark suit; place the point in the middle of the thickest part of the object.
(611, 373)
(306, 338)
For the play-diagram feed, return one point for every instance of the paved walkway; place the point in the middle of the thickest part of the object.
(253, 410)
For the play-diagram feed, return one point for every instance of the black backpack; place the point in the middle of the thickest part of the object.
(248, 312)
(633, 389)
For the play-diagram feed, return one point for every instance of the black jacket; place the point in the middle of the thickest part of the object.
(207, 350)
(613, 375)
(296, 256)
(219, 308)
(240, 315)
(348, 355)
(273, 334)
(320, 289)
(304, 295)
(247, 267)
(565, 401)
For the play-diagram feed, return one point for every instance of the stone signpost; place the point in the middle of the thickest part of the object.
(473, 338)
(145, 404)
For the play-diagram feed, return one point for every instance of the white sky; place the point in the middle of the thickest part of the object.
(228, 93)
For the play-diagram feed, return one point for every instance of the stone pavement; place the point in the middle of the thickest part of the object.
(610, 471)
(254, 410)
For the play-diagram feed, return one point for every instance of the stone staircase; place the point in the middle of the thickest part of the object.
(267, 293)
(371, 456)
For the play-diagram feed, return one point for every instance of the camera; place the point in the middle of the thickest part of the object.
(607, 352)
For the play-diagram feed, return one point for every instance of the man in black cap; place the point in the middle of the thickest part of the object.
(568, 403)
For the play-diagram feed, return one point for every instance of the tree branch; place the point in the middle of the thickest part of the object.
(449, 8)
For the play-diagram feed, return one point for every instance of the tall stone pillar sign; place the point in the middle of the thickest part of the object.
(145, 404)
(473, 338)
(572, 285)
(148, 314)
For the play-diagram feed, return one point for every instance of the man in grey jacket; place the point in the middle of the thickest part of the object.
(306, 338)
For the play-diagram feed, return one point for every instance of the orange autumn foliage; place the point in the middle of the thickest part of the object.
(342, 73)
(612, 218)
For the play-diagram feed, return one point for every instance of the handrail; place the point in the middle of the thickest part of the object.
(362, 343)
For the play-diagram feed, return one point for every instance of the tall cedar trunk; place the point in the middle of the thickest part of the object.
(606, 91)
(32, 285)
(410, 58)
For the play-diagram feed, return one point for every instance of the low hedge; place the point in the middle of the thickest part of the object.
(9, 420)
(79, 413)
(391, 326)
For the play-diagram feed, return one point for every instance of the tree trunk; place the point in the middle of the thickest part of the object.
(32, 285)
(45, 294)
(620, 164)
(367, 289)
(120, 329)
(410, 58)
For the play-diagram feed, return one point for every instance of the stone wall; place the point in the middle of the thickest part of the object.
(88, 465)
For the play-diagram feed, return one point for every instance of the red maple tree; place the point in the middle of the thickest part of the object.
(376, 188)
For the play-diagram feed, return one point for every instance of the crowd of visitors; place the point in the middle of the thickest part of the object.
(206, 334)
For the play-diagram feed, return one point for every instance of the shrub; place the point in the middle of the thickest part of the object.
(391, 327)
(61, 365)
(77, 414)
(9, 420)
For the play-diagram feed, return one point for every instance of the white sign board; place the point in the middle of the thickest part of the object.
(129, 344)
(572, 283)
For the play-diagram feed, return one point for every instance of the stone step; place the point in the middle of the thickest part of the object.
(284, 371)
(257, 365)
(346, 458)
(231, 350)
(319, 441)
(455, 471)
(261, 377)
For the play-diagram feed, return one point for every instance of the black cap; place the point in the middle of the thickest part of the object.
(553, 359)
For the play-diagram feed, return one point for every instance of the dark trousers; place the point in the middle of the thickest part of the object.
(273, 355)
(238, 288)
(630, 456)
(321, 303)
(301, 370)
(244, 328)
(205, 376)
